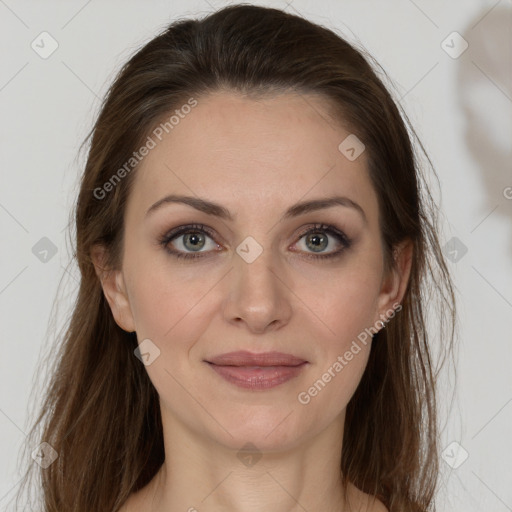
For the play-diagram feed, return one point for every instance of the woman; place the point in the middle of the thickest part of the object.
(256, 245)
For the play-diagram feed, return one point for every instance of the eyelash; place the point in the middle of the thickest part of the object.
(194, 228)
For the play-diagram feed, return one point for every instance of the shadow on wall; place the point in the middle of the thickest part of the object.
(484, 82)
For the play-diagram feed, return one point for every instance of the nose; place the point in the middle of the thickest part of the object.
(258, 293)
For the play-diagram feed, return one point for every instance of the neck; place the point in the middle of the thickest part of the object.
(202, 474)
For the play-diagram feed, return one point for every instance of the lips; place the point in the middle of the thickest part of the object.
(257, 371)
(245, 358)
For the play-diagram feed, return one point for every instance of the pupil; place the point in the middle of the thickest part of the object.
(317, 240)
(194, 238)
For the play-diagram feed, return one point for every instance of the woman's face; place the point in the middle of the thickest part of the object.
(258, 282)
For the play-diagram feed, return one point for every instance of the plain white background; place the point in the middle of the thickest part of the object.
(461, 107)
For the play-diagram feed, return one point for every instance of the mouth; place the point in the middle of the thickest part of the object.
(264, 359)
(257, 371)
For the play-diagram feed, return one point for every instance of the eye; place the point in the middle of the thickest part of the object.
(317, 240)
(193, 237)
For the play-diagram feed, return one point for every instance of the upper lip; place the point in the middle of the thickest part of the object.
(245, 358)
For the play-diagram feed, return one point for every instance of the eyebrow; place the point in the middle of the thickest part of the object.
(295, 210)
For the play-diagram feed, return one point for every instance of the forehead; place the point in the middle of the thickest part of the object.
(234, 149)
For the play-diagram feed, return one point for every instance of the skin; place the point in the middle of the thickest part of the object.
(256, 158)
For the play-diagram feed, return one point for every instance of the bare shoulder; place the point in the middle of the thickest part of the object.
(361, 502)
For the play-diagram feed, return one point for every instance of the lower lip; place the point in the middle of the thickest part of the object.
(257, 377)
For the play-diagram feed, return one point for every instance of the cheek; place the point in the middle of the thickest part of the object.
(329, 392)
(166, 308)
(342, 354)
(164, 295)
(346, 302)
(348, 314)
(173, 310)
(344, 295)
(347, 309)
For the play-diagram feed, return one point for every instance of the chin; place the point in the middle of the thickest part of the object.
(267, 432)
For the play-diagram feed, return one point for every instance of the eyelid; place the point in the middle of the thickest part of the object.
(345, 241)
(328, 228)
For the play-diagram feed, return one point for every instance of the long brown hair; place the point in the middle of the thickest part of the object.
(108, 449)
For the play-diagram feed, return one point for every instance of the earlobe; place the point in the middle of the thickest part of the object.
(395, 284)
(114, 289)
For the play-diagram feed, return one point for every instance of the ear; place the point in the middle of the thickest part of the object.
(395, 283)
(114, 288)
